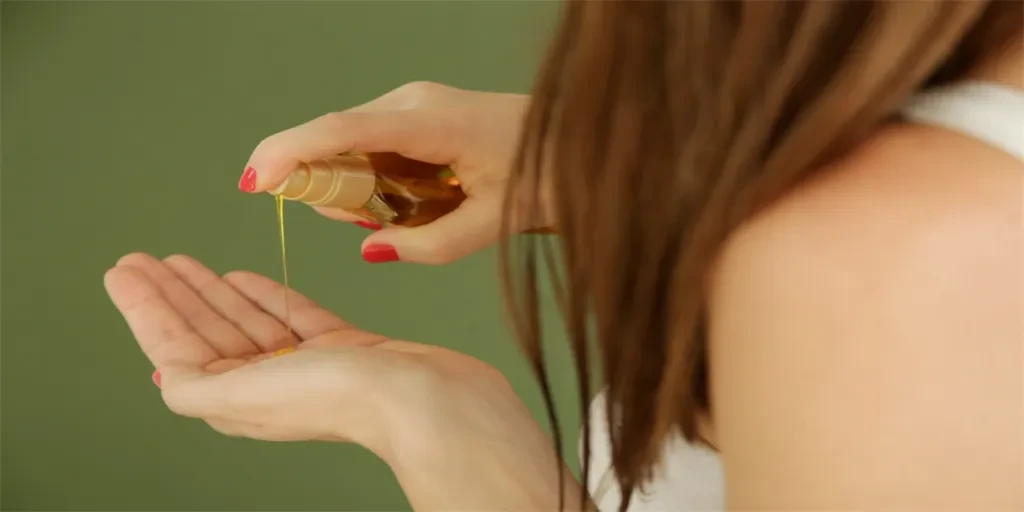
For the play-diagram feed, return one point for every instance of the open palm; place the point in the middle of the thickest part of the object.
(224, 354)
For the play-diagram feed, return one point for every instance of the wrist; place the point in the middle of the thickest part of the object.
(476, 448)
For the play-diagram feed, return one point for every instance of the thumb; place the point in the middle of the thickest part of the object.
(199, 392)
(474, 225)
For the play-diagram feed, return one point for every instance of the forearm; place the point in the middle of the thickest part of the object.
(494, 457)
(490, 481)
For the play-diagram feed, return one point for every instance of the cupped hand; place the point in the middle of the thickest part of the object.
(450, 427)
(223, 353)
(476, 133)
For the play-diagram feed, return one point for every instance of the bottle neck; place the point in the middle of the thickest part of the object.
(344, 181)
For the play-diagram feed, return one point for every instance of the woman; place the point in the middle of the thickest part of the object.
(796, 227)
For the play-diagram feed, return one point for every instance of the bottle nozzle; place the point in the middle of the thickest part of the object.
(343, 181)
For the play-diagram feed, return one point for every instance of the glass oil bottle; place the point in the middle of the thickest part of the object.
(385, 188)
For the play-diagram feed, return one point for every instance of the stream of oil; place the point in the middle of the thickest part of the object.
(284, 268)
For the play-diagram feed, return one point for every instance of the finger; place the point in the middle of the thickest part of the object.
(197, 393)
(401, 98)
(163, 335)
(422, 135)
(221, 334)
(475, 224)
(264, 330)
(307, 318)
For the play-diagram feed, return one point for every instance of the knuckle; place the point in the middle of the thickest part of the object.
(421, 90)
(268, 143)
(271, 150)
(335, 123)
(336, 120)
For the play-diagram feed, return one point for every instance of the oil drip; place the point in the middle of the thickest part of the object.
(284, 267)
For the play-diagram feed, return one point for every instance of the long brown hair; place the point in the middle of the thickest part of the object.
(656, 128)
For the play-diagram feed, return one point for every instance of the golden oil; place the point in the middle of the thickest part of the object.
(284, 266)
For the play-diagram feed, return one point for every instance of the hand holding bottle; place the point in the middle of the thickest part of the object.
(473, 133)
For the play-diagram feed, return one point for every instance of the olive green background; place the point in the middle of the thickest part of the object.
(125, 127)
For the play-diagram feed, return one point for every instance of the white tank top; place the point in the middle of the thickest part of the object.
(690, 476)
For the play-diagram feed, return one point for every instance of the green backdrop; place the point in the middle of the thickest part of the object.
(125, 126)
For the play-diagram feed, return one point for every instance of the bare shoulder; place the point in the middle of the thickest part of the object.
(866, 334)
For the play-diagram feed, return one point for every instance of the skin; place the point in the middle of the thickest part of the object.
(865, 332)
(212, 339)
(866, 336)
(472, 132)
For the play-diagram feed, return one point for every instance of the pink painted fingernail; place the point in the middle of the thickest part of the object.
(368, 225)
(379, 253)
(156, 378)
(247, 183)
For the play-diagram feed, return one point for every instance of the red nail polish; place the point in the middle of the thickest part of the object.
(156, 378)
(368, 225)
(248, 181)
(379, 253)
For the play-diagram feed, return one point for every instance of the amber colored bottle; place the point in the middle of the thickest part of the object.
(385, 188)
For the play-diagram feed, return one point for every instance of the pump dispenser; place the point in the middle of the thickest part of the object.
(385, 188)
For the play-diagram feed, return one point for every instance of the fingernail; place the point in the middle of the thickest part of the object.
(156, 378)
(379, 253)
(248, 181)
(368, 225)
